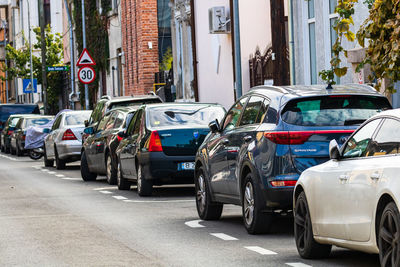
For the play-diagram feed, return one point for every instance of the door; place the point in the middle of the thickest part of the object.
(334, 189)
(94, 143)
(218, 149)
(52, 136)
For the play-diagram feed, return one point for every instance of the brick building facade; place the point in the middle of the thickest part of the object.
(140, 45)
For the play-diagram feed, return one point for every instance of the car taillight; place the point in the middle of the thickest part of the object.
(23, 137)
(9, 132)
(298, 137)
(283, 183)
(68, 135)
(155, 142)
(119, 138)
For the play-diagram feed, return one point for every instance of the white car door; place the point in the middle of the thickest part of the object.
(52, 135)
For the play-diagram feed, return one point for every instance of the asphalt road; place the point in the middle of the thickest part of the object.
(53, 218)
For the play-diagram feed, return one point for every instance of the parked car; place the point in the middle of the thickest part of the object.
(267, 139)
(8, 129)
(98, 150)
(64, 144)
(352, 201)
(18, 136)
(107, 103)
(160, 143)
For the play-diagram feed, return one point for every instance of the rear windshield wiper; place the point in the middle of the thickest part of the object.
(353, 122)
(171, 113)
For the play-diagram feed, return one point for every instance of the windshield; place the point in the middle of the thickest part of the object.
(200, 115)
(6, 111)
(76, 118)
(13, 122)
(36, 121)
(333, 110)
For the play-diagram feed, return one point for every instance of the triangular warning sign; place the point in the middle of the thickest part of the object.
(85, 59)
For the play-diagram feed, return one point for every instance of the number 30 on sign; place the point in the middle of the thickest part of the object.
(86, 75)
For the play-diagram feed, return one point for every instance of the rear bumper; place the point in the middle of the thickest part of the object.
(69, 150)
(163, 169)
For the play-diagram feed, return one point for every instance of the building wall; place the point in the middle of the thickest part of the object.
(323, 40)
(140, 45)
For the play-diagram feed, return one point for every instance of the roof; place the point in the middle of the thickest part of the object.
(30, 116)
(174, 104)
(131, 98)
(77, 111)
(312, 90)
(19, 105)
(390, 112)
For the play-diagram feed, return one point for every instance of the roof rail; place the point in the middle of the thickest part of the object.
(106, 97)
(272, 87)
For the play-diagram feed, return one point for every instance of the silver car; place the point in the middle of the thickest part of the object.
(64, 142)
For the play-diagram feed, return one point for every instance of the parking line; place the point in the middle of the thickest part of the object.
(105, 188)
(195, 224)
(44, 170)
(71, 179)
(105, 192)
(51, 172)
(298, 264)
(60, 175)
(158, 201)
(119, 197)
(261, 250)
(224, 237)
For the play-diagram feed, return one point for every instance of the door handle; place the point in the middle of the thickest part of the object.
(343, 177)
(225, 141)
(375, 176)
(247, 138)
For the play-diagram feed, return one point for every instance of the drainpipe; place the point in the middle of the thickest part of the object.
(72, 61)
(291, 45)
(238, 58)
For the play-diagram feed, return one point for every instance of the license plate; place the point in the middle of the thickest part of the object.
(186, 166)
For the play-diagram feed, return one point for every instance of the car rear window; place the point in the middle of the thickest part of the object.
(333, 110)
(6, 111)
(36, 121)
(76, 118)
(184, 115)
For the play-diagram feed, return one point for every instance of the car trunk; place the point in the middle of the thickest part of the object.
(182, 142)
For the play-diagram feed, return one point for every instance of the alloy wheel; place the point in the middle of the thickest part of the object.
(201, 192)
(302, 221)
(389, 239)
(249, 203)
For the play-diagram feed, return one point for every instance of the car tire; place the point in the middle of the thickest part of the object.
(60, 164)
(12, 151)
(111, 171)
(255, 220)
(85, 172)
(206, 208)
(3, 149)
(306, 245)
(144, 186)
(7, 149)
(47, 162)
(18, 151)
(122, 183)
(388, 236)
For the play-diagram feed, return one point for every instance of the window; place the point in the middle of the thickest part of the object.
(387, 141)
(103, 122)
(111, 121)
(131, 126)
(254, 111)
(234, 114)
(57, 123)
(312, 42)
(128, 119)
(119, 120)
(357, 145)
(76, 118)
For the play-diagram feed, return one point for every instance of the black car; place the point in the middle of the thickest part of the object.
(98, 150)
(160, 144)
(17, 141)
(267, 139)
(8, 129)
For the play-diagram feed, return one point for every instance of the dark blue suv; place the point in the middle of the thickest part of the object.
(268, 137)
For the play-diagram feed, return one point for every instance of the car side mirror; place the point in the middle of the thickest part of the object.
(86, 122)
(46, 130)
(122, 133)
(88, 130)
(214, 126)
(334, 152)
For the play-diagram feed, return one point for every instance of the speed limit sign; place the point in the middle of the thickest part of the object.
(86, 75)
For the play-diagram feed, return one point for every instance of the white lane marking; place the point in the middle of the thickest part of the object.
(298, 264)
(60, 175)
(261, 250)
(195, 224)
(105, 192)
(51, 172)
(224, 236)
(106, 188)
(119, 197)
(37, 167)
(44, 170)
(157, 201)
(72, 179)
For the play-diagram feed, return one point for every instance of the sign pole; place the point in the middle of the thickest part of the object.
(84, 46)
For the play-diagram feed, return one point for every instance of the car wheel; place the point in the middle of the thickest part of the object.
(206, 208)
(7, 150)
(389, 236)
(18, 151)
(60, 164)
(306, 245)
(47, 162)
(85, 172)
(255, 220)
(144, 186)
(3, 149)
(111, 172)
(12, 151)
(122, 183)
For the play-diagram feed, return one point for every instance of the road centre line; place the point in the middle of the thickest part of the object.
(224, 237)
(194, 224)
(158, 201)
(298, 264)
(119, 197)
(105, 192)
(105, 188)
(261, 250)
